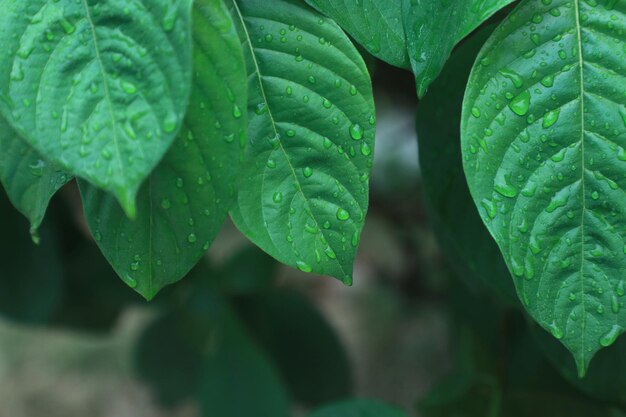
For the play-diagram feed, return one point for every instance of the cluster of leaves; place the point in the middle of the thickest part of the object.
(174, 113)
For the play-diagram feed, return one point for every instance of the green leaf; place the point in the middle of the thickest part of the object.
(433, 28)
(303, 194)
(237, 379)
(185, 201)
(249, 271)
(470, 248)
(29, 180)
(169, 356)
(100, 88)
(359, 408)
(544, 131)
(375, 24)
(604, 380)
(302, 344)
(32, 275)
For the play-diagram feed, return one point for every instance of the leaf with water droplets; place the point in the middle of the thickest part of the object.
(433, 28)
(29, 180)
(99, 88)
(185, 201)
(303, 192)
(375, 24)
(549, 179)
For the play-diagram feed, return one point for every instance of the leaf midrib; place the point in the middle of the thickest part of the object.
(583, 169)
(107, 93)
(271, 116)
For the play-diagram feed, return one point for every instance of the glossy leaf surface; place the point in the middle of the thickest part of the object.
(29, 180)
(100, 88)
(185, 201)
(433, 28)
(544, 131)
(375, 24)
(303, 194)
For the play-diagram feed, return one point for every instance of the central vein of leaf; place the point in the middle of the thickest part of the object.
(271, 116)
(582, 153)
(105, 80)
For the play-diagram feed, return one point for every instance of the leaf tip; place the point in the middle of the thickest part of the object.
(582, 364)
(127, 199)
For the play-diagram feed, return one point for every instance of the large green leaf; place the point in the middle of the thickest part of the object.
(99, 88)
(544, 131)
(375, 24)
(433, 28)
(183, 204)
(358, 408)
(469, 246)
(29, 180)
(304, 188)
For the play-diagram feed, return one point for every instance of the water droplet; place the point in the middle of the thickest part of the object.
(166, 204)
(192, 238)
(278, 197)
(517, 80)
(551, 118)
(356, 131)
(303, 266)
(170, 123)
(611, 336)
(503, 187)
(520, 104)
(236, 112)
(556, 331)
(128, 87)
(307, 172)
(342, 214)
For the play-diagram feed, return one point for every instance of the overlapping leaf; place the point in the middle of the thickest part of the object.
(375, 24)
(100, 88)
(469, 246)
(185, 201)
(29, 180)
(544, 132)
(433, 28)
(304, 189)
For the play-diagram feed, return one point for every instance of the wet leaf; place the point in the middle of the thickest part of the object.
(375, 24)
(29, 180)
(543, 142)
(185, 201)
(303, 193)
(99, 88)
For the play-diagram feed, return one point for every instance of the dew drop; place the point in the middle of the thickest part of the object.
(342, 214)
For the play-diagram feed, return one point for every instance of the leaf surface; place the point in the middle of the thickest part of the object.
(303, 194)
(29, 180)
(185, 201)
(100, 88)
(433, 28)
(375, 24)
(544, 131)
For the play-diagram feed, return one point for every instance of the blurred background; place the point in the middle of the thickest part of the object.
(432, 323)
